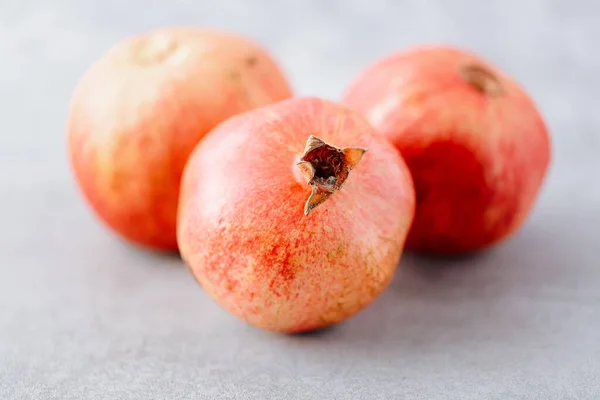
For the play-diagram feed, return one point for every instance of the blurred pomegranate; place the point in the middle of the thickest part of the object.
(137, 113)
(476, 145)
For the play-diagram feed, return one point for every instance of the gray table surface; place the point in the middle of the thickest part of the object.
(83, 316)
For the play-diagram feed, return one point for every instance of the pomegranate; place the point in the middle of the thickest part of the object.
(137, 113)
(293, 216)
(475, 143)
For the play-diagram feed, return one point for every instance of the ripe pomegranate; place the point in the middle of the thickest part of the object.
(137, 113)
(476, 145)
(287, 222)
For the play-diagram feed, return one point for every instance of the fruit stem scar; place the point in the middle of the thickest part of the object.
(251, 61)
(482, 79)
(156, 49)
(326, 168)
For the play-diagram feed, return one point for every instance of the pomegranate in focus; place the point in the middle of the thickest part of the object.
(137, 113)
(476, 145)
(287, 222)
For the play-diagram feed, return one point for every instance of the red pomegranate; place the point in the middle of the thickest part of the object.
(137, 113)
(473, 139)
(287, 222)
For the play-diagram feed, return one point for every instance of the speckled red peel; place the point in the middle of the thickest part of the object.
(292, 232)
(473, 139)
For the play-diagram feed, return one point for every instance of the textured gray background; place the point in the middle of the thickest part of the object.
(83, 316)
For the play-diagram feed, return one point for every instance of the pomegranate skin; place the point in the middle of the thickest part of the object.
(242, 229)
(137, 113)
(475, 143)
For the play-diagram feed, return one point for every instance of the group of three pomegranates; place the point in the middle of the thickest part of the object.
(293, 212)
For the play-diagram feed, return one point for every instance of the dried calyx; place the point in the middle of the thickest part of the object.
(326, 168)
(482, 79)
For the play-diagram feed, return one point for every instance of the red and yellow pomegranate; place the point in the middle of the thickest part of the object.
(474, 141)
(293, 216)
(137, 113)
